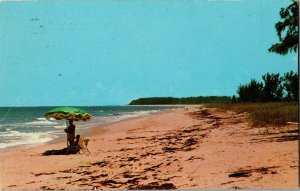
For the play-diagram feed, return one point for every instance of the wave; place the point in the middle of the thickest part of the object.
(59, 126)
(15, 138)
(137, 113)
(41, 118)
(41, 121)
(37, 123)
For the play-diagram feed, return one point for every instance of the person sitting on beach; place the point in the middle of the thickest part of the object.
(70, 130)
(79, 144)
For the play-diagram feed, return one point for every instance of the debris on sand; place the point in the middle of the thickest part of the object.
(248, 172)
(100, 163)
(154, 186)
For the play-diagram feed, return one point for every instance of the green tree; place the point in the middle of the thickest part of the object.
(233, 99)
(242, 92)
(287, 30)
(251, 92)
(288, 27)
(273, 89)
(291, 85)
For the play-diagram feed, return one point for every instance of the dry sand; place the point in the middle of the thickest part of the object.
(195, 148)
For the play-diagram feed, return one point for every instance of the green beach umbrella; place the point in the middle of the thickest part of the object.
(68, 113)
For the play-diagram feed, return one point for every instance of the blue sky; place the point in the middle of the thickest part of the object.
(109, 52)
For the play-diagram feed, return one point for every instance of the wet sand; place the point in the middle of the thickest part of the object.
(194, 148)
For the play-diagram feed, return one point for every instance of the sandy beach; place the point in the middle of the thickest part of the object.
(186, 148)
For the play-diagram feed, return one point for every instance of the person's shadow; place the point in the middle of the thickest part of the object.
(71, 149)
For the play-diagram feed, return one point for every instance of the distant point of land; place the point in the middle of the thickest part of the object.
(183, 100)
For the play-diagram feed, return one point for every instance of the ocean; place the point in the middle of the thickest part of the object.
(27, 126)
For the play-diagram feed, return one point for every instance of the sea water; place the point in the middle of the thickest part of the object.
(25, 126)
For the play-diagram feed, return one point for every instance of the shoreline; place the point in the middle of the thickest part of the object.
(184, 148)
(86, 132)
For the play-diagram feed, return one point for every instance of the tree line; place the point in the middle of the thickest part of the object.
(273, 88)
(184, 100)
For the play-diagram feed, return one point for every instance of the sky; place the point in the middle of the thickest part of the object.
(109, 52)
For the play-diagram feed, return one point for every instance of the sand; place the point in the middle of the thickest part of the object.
(194, 148)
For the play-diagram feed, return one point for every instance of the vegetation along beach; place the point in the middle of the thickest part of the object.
(149, 95)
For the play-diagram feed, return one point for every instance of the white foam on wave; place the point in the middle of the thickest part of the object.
(137, 114)
(17, 138)
(41, 118)
(10, 134)
(41, 121)
(59, 126)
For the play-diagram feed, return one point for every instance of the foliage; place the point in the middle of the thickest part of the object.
(288, 27)
(291, 84)
(273, 88)
(186, 100)
(250, 92)
(233, 99)
(261, 114)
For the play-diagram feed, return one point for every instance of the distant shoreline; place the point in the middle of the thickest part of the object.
(170, 105)
(181, 101)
